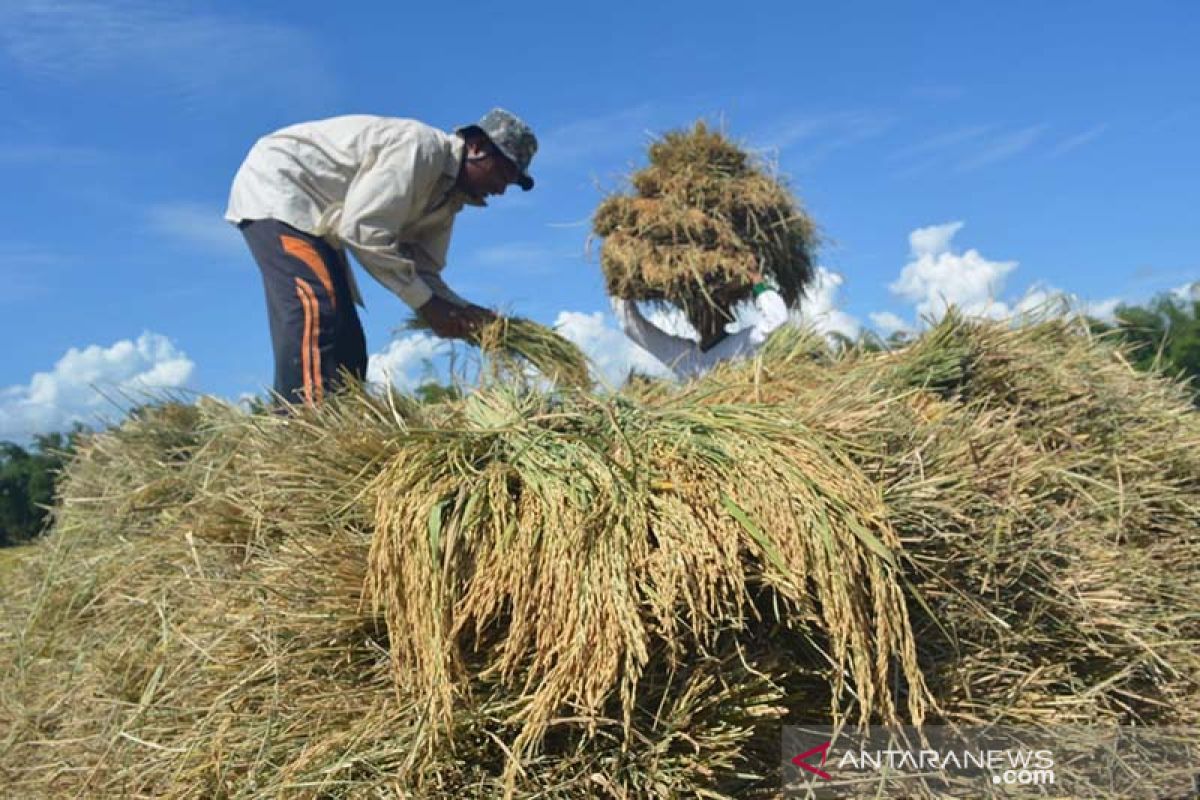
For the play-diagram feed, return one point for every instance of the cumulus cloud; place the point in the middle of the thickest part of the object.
(612, 354)
(412, 360)
(408, 362)
(92, 384)
(888, 323)
(937, 277)
(819, 307)
(1189, 291)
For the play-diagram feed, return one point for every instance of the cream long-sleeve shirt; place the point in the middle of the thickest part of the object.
(381, 186)
(684, 356)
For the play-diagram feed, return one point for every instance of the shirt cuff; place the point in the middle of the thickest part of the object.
(416, 294)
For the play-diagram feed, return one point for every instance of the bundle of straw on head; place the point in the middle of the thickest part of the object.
(509, 340)
(705, 219)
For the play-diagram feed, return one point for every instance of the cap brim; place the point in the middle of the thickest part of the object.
(524, 181)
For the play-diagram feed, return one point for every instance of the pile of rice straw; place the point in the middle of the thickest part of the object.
(568, 595)
(704, 218)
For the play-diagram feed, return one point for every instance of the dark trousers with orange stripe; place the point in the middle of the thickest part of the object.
(315, 330)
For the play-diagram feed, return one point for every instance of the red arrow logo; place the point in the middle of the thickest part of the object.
(801, 760)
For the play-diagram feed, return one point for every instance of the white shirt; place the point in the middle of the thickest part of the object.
(684, 356)
(384, 187)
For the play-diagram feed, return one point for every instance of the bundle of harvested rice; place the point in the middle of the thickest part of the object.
(557, 546)
(591, 580)
(705, 219)
(511, 340)
(572, 597)
(1048, 496)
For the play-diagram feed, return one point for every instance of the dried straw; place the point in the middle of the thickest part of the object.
(571, 596)
(704, 220)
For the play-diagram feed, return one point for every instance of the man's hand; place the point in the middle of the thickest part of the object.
(451, 321)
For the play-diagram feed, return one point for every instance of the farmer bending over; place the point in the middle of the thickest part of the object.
(385, 189)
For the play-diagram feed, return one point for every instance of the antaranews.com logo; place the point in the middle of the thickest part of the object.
(1010, 767)
(984, 762)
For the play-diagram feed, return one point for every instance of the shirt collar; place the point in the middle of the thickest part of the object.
(454, 155)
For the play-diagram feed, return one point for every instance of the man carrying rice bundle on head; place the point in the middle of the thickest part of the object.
(707, 230)
(689, 358)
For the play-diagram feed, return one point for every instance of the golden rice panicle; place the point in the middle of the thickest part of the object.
(512, 343)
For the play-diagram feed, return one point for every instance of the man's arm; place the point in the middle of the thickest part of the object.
(772, 313)
(447, 313)
(428, 270)
(674, 351)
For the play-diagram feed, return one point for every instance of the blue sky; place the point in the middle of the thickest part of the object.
(985, 152)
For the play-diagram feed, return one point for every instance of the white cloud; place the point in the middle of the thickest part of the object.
(18, 154)
(1004, 147)
(822, 134)
(940, 143)
(937, 277)
(833, 129)
(408, 362)
(1041, 300)
(1189, 291)
(530, 258)
(1079, 140)
(92, 383)
(888, 323)
(819, 307)
(612, 354)
(27, 271)
(584, 140)
(198, 226)
(1103, 309)
(165, 45)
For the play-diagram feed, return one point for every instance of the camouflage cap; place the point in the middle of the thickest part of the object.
(511, 136)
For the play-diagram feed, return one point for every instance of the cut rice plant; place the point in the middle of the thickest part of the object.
(564, 595)
(509, 341)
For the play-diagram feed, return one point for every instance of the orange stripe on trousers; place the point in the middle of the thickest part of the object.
(305, 345)
(311, 345)
(309, 255)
